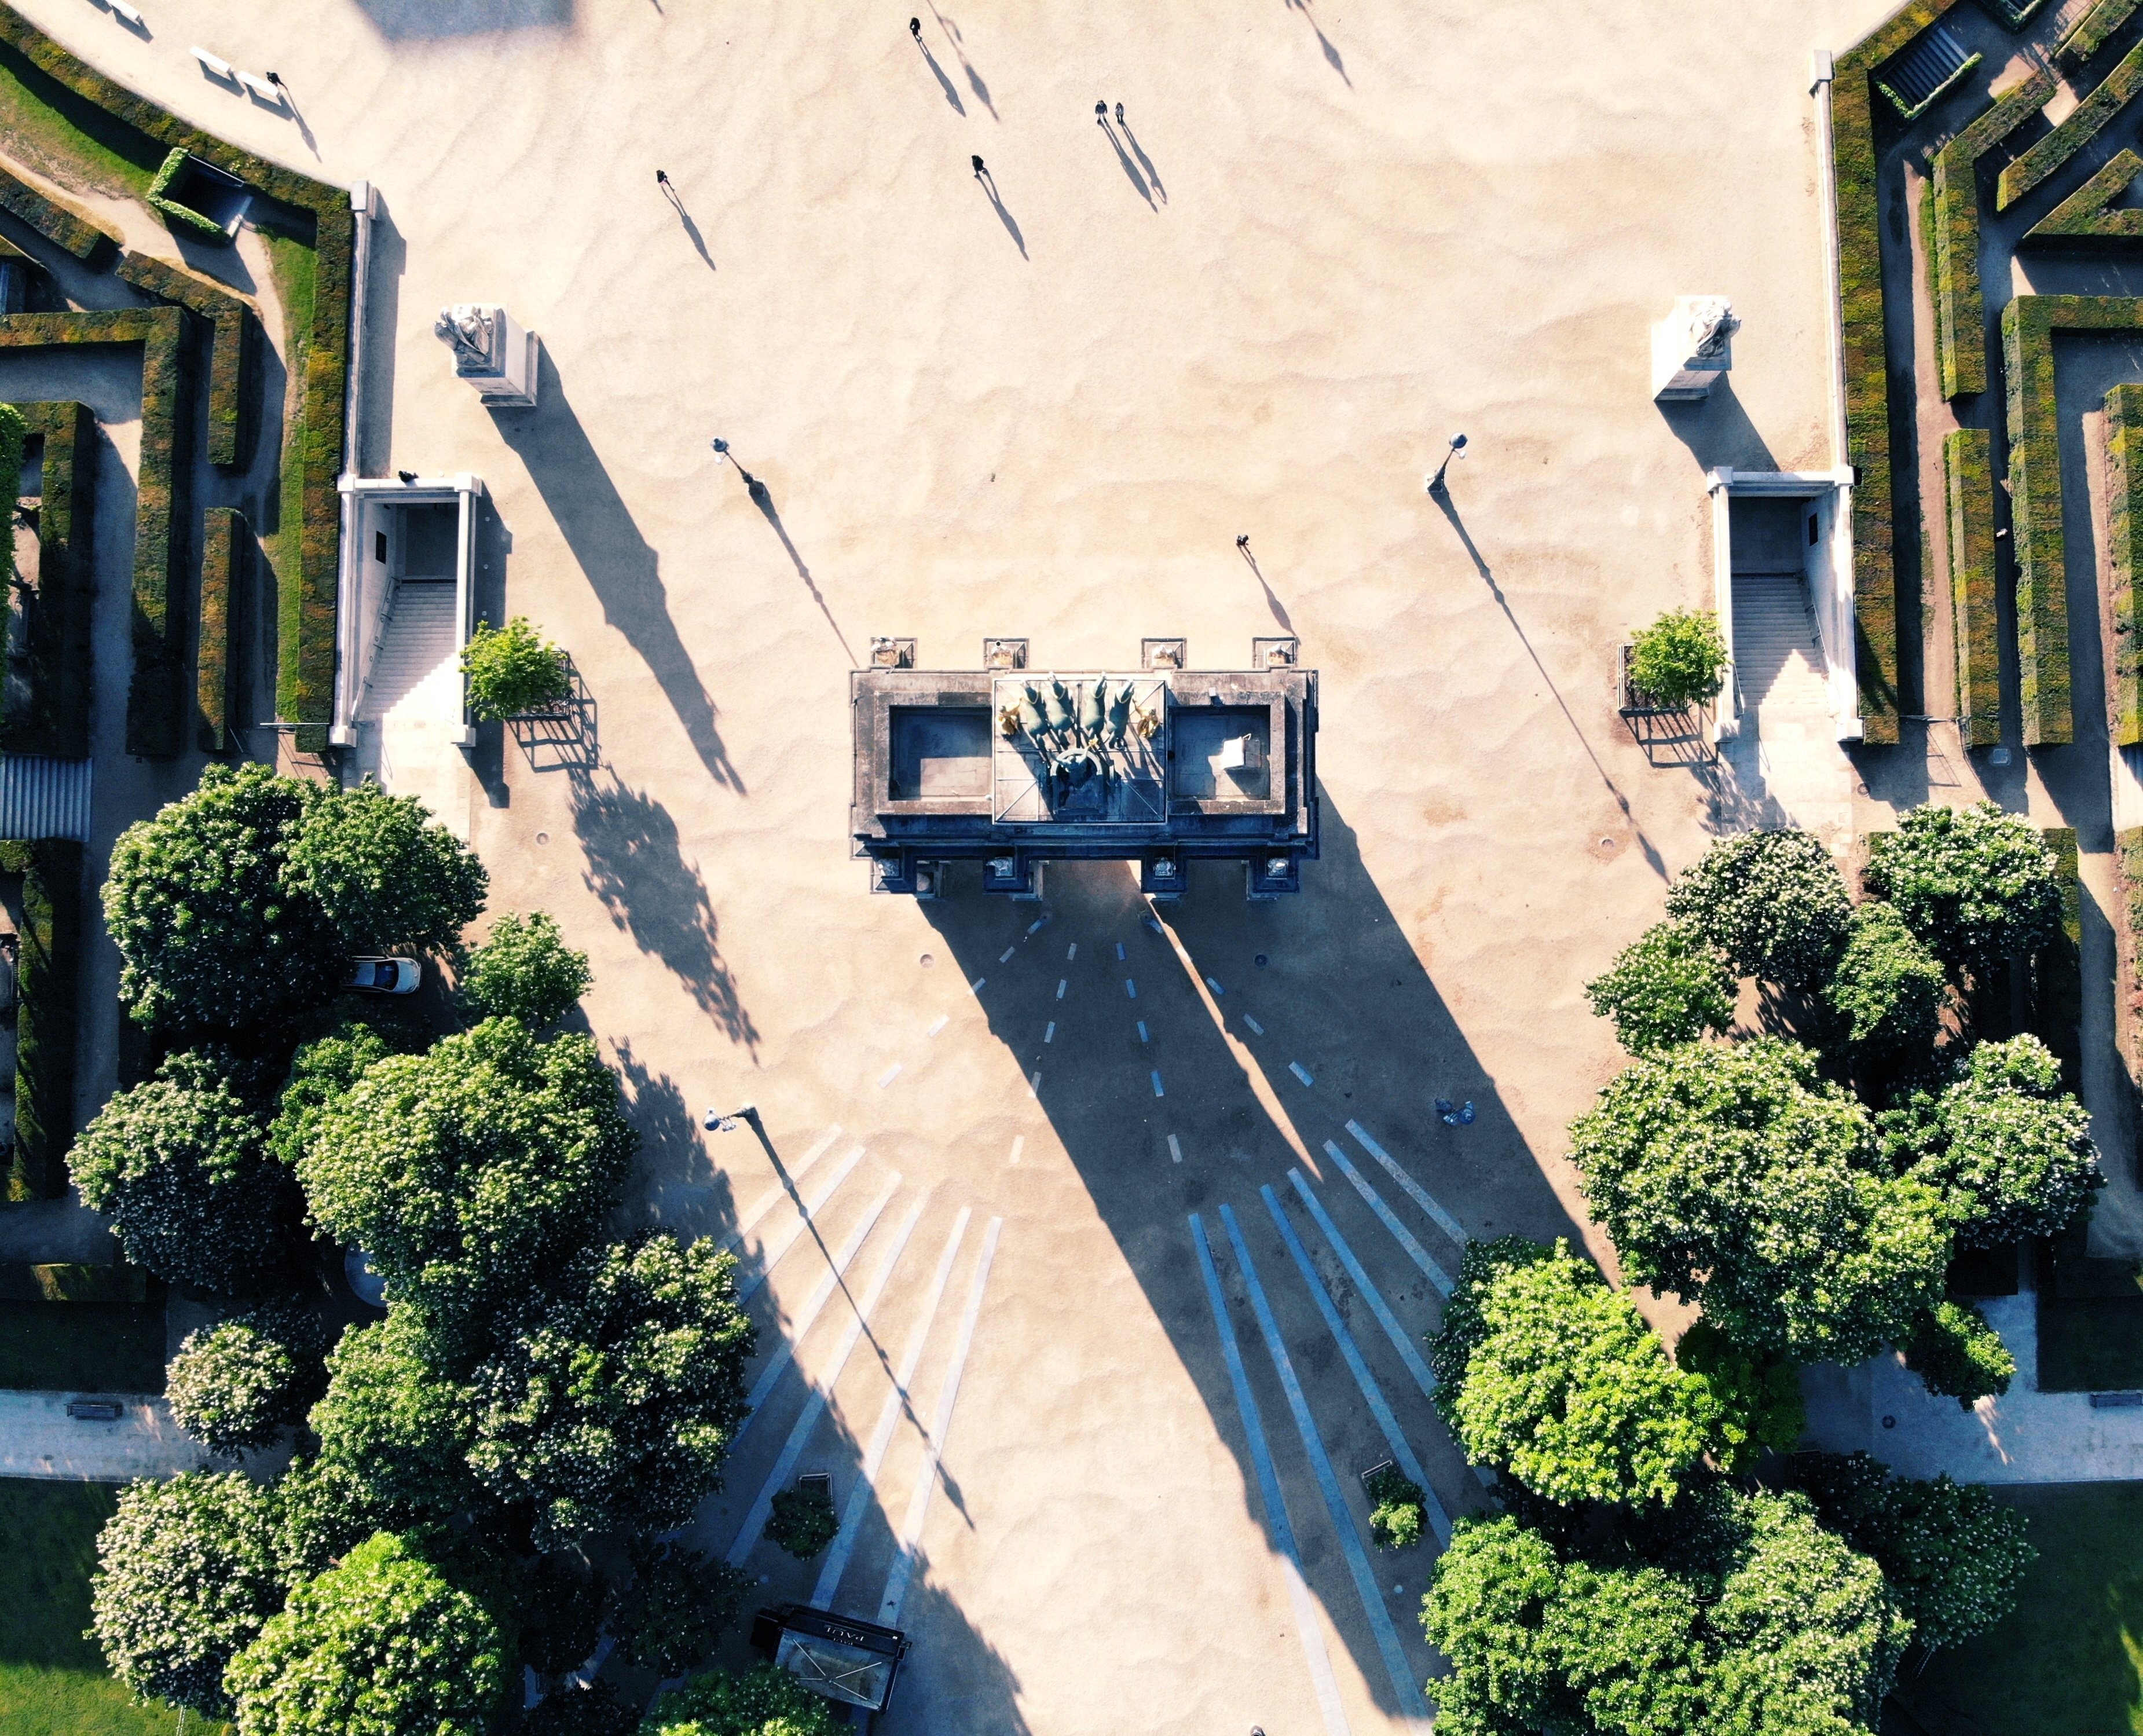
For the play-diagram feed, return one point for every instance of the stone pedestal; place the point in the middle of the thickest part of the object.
(1691, 348)
(491, 352)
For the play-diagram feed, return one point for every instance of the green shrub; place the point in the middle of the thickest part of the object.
(524, 971)
(803, 1521)
(673, 1614)
(1978, 886)
(1678, 661)
(235, 1385)
(1957, 1353)
(1772, 903)
(180, 216)
(1960, 308)
(47, 969)
(230, 331)
(2094, 30)
(765, 1701)
(1758, 1398)
(47, 711)
(2084, 123)
(65, 225)
(224, 540)
(1887, 989)
(1669, 986)
(1968, 472)
(1399, 1512)
(513, 670)
(2124, 455)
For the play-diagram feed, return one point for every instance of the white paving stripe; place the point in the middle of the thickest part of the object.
(1036, 926)
(1407, 1689)
(975, 987)
(1174, 1151)
(1157, 1090)
(1395, 1437)
(799, 1433)
(1386, 1216)
(888, 1418)
(890, 1074)
(1256, 1029)
(1071, 951)
(1131, 988)
(1120, 951)
(1143, 1037)
(1050, 1034)
(1300, 1072)
(1214, 986)
(1062, 983)
(943, 1020)
(1018, 1145)
(1005, 956)
(770, 1253)
(1402, 1340)
(774, 1196)
(814, 1306)
(918, 1502)
(1277, 1522)
(1444, 1221)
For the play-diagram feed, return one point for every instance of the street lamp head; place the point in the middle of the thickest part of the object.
(1457, 442)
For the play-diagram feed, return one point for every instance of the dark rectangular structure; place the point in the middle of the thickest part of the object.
(1016, 769)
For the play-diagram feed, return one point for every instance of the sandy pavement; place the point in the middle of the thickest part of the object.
(1325, 239)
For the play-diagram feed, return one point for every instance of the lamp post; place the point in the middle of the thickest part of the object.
(1457, 449)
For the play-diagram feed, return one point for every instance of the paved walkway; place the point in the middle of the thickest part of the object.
(2024, 1437)
(37, 1438)
(40, 1232)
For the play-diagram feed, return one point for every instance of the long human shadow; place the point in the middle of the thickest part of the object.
(762, 497)
(1341, 992)
(1331, 54)
(623, 570)
(637, 868)
(960, 48)
(1145, 162)
(944, 83)
(691, 229)
(1487, 576)
(990, 186)
(1123, 162)
(1272, 599)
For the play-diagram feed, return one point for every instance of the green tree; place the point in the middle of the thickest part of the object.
(1759, 1396)
(1398, 1512)
(1486, 1611)
(1570, 1392)
(1978, 885)
(233, 1385)
(524, 971)
(323, 1510)
(1680, 660)
(185, 1578)
(1954, 1556)
(321, 1072)
(764, 1702)
(180, 1165)
(513, 670)
(1772, 903)
(612, 1406)
(2011, 1153)
(394, 1423)
(382, 1643)
(1669, 986)
(559, 1613)
(387, 876)
(1886, 990)
(1628, 1645)
(1954, 1351)
(468, 1172)
(679, 1605)
(1733, 1176)
(196, 903)
(802, 1521)
(570, 1709)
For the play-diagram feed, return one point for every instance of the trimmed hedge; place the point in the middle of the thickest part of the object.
(1968, 471)
(2056, 974)
(1853, 161)
(224, 540)
(305, 674)
(2088, 214)
(2123, 457)
(2082, 126)
(120, 1282)
(2094, 30)
(67, 226)
(230, 328)
(1913, 110)
(2016, 14)
(159, 635)
(160, 201)
(1960, 309)
(2028, 325)
(47, 962)
(47, 713)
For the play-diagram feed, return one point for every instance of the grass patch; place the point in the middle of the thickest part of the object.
(52, 1679)
(81, 1347)
(2061, 1664)
(295, 265)
(56, 132)
(2091, 1344)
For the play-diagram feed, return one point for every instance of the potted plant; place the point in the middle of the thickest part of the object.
(1679, 661)
(512, 671)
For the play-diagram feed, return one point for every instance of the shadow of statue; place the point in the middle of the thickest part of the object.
(637, 868)
(418, 20)
(623, 570)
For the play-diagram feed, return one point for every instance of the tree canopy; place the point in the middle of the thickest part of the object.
(387, 876)
(1733, 1175)
(1669, 986)
(469, 1172)
(186, 1575)
(1759, 1396)
(524, 971)
(233, 1385)
(1564, 1384)
(1772, 903)
(2008, 1148)
(393, 1422)
(614, 1405)
(1680, 659)
(765, 1701)
(1887, 989)
(381, 1643)
(676, 1608)
(1975, 884)
(179, 1162)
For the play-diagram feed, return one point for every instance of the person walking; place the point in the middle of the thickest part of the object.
(915, 30)
(1119, 114)
(980, 171)
(661, 178)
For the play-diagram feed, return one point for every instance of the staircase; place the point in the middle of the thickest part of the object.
(1788, 767)
(1776, 655)
(409, 716)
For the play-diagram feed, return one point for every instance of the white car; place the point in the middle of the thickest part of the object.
(384, 975)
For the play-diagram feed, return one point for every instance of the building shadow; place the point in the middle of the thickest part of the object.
(636, 867)
(1208, 1108)
(1717, 430)
(390, 261)
(620, 567)
(421, 20)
